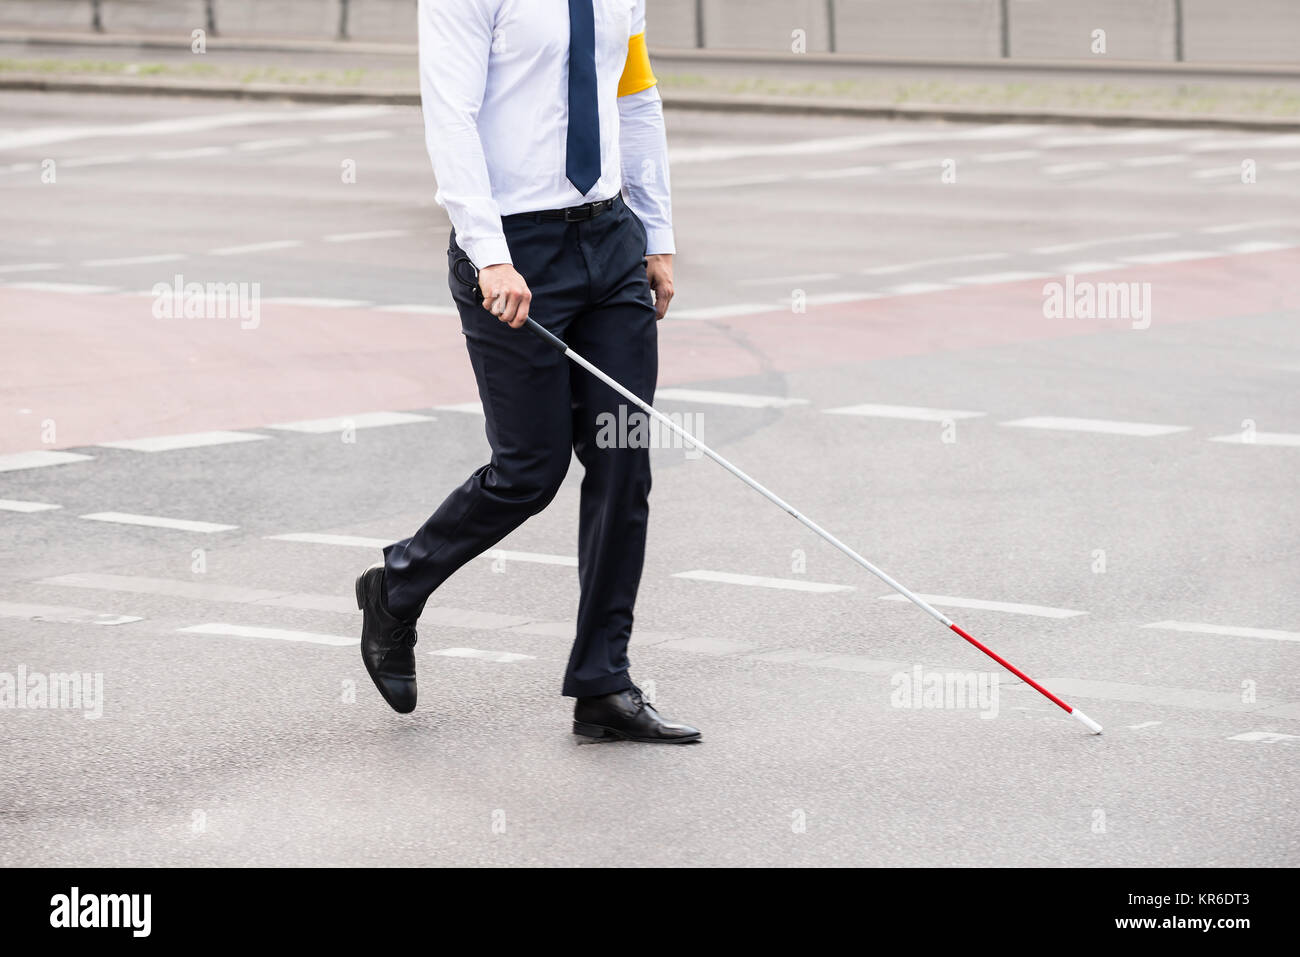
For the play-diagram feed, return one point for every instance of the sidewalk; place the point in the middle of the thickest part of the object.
(1111, 93)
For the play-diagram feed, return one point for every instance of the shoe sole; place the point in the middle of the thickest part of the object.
(600, 732)
(361, 606)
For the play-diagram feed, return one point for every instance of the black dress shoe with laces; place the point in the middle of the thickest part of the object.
(387, 643)
(627, 715)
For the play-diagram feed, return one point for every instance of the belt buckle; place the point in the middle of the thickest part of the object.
(577, 214)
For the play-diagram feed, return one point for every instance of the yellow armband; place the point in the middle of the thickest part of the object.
(637, 75)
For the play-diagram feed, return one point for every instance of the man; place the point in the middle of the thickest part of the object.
(536, 113)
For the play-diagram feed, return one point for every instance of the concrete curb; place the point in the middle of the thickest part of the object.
(738, 103)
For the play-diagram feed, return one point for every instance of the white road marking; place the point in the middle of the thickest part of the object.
(358, 136)
(1007, 156)
(915, 288)
(157, 521)
(1230, 631)
(535, 558)
(1145, 429)
(1218, 171)
(196, 152)
(314, 538)
(317, 302)
(420, 310)
(62, 615)
(255, 247)
(788, 280)
(278, 634)
(843, 172)
(1243, 144)
(1013, 608)
(1171, 256)
(1111, 139)
(501, 657)
(373, 234)
(13, 505)
(256, 145)
(839, 144)
(190, 124)
(1083, 267)
(30, 267)
(989, 279)
(743, 399)
(834, 298)
(97, 160)
(472, 408)
(917, 164)
(191, 440)
(38, 460)
(1241, 227)
(1144, 724)
(1286, 167)
(915, 413)
(922, 263)
(362, 420)
(757, 581)
(72, 288)
(135, 260)
(723, 312)
(1088, 243)
(1265, 737)
(1259, 247)
(1260, 438)
(1166, 159)
(1064, 169)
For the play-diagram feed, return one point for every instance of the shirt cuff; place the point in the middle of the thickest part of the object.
(487, 252)
(659, 241)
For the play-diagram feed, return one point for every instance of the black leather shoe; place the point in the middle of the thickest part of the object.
(627, 715)
(387, 643)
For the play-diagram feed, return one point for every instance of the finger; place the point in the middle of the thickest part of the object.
(511, 310)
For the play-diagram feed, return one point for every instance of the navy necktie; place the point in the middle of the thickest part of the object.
(582, 147)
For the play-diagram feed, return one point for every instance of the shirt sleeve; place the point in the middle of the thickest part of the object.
(643, 143)
(455, 39)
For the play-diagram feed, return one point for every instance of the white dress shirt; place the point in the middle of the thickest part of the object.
(494, 84)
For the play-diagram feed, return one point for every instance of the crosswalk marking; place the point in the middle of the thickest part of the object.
(71, 288)
(1171, 256)
(158, 521)
(255, 247)
(1013, 608)
(924, 263)
(534, 558)
(277, 634)
(135, 260)
(471, 408)
(1065, 424)
(315, 538)
(743, 399)
(1230, 631)
(362, 420)
(1265, 737)
(11, 505)
(192, 440)
(61, 614)
(316, 301)
(916, 413)
(39, 460)
(992, 278)
(757, 581)
(501, 657)
(1260, 438)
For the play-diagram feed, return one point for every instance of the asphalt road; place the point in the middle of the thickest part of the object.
(1111, 504)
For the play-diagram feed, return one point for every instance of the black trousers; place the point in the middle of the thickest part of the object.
(589, 287)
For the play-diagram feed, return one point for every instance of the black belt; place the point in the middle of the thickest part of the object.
(574, 214)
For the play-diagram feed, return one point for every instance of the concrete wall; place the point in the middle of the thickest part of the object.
(1135, 29)
(927, 28)
(1261, 31)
